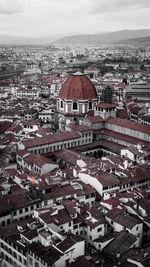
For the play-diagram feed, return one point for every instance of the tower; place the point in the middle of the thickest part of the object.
(108, 94)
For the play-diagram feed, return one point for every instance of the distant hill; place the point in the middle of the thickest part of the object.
(81, 40)
(21, 40)
(102, 38)
(136, 41)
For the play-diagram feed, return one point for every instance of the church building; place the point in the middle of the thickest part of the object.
(76, 98)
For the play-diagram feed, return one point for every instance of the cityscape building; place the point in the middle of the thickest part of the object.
(77, 97)
(74, 156)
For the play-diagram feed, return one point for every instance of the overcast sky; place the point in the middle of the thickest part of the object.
(50, 17)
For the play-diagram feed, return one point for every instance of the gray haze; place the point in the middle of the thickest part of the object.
(47, 17)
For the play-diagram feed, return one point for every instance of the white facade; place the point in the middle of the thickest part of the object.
(46, 115)
(97, 184)
(72, 253)
(136, 230)
(29, 93)
(29, 127)
(34, 166)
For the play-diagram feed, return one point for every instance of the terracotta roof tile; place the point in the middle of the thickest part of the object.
(80, 128)
(95, 119)
(78, 87)
(50, 139)
(106, 105)
(129, 124)
(69, 242)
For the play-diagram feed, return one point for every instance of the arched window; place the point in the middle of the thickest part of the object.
(75, 105)
(90, 105)
(61, 104)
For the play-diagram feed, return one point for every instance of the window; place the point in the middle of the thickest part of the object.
(26, 209)
(90, 105)
(20, 259)
(61, 104)
(75, 227)
(69, 223)
(19, 159)
(20, 211)
(99, 229)
(15, 255)
(105, 187)
(75, 106)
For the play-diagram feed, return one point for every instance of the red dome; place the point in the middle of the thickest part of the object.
(78, 87)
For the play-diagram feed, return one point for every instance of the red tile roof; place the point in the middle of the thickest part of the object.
(108, 179)
(70, 206)
(120, 136)
(38, 160)
(80, 128)
(68, 155)
(61, 218)
(78, 87)
(93, 221)
(14, 129)
(122, 114)
(111, 202)
(51, 139)
(61, 192)
(129, 124)
(22, 152)
(95, 119)
(145, 204)
(126, 220)
(106, 105)
(120, 85)
(114, 213)
(69, 242)
(5, 205)
(112, 146)
(49, 254)
(19, 200)
(81, 262)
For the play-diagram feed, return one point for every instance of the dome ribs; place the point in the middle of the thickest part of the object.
(78, 87)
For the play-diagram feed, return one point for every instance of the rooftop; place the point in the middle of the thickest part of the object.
(78, 87)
